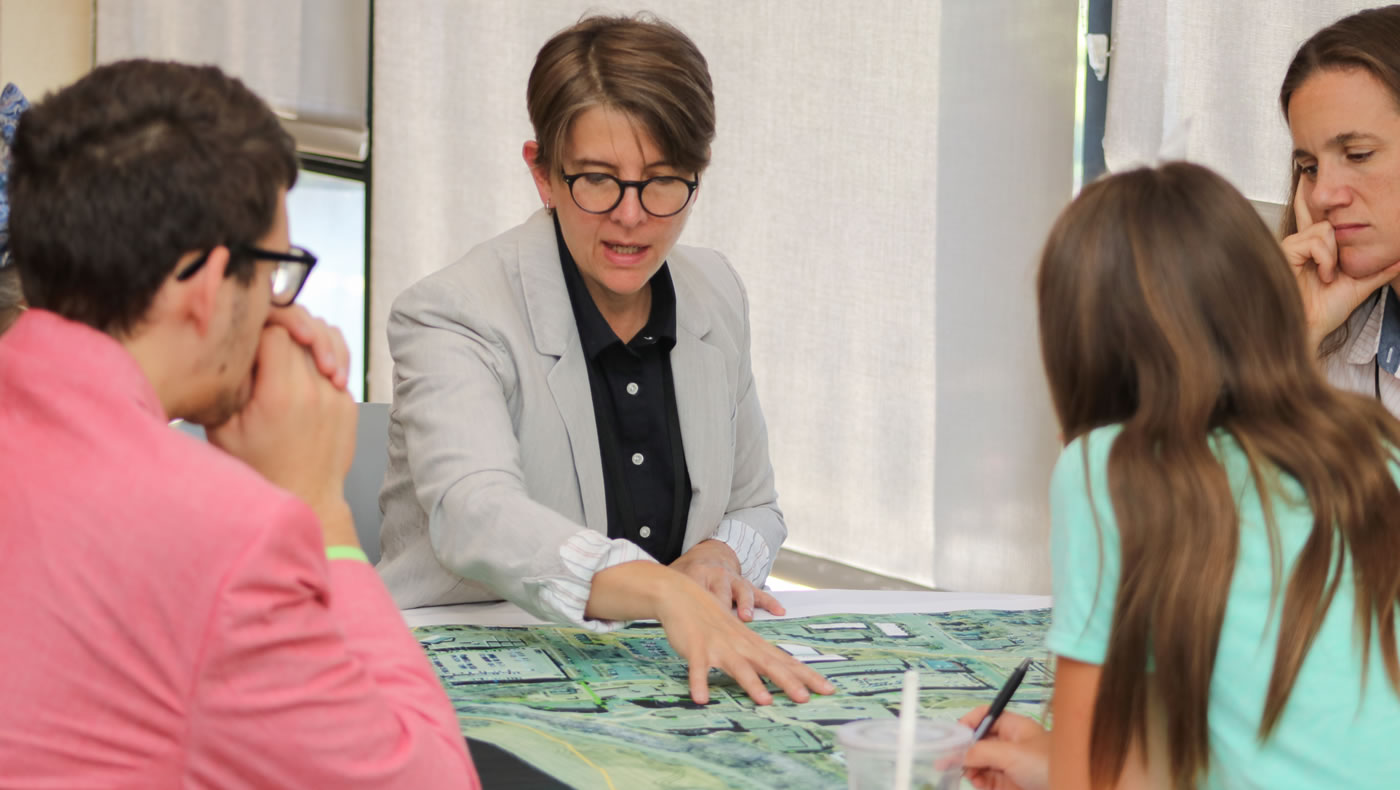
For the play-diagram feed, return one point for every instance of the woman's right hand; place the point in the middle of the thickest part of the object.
(1329, 294)
(701, 631)
(1014, 755)
(707, 635)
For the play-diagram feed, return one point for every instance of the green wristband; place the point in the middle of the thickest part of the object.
(346, 553)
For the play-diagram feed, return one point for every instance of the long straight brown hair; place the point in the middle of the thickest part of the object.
(1167, 307)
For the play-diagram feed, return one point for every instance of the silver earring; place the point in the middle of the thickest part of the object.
(546, 203)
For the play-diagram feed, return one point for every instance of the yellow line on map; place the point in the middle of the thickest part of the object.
(543, 734)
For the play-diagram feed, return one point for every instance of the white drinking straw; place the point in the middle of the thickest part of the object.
(908, 718)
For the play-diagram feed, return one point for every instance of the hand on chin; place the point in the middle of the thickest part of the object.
(225, 404)
(1359, 263)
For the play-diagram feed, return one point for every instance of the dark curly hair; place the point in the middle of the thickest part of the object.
(117, 176)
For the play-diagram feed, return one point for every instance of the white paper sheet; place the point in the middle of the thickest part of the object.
(799, 603)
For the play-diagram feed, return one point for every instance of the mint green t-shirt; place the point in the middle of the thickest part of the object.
(1333, 734)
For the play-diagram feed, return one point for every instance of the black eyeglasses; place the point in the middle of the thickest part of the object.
(600, 193)
(293, 267)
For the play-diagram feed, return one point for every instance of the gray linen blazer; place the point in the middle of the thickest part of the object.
(493, 448)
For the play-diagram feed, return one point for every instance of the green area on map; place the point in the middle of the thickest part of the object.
(613, 710)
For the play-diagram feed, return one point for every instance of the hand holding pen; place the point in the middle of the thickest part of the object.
(1003, 697)
(1015, 754)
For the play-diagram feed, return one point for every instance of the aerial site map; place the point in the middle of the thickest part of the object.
(613, 710)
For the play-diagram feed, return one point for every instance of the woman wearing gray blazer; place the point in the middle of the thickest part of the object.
(575, 424)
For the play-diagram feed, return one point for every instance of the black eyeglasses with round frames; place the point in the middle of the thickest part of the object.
(600, 193)
(293, 267)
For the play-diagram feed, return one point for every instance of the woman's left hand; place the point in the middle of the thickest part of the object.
(714, 566)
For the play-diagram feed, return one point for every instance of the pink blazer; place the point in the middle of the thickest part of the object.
(169, 619)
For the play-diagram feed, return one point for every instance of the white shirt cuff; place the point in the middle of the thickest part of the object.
(585, 554)
(752, 550)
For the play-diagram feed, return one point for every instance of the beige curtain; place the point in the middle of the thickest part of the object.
(1202, 77)
(309, 59)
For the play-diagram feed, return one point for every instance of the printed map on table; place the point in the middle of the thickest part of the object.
(613, 710)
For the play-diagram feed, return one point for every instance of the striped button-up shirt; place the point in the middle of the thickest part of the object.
(1354, 367)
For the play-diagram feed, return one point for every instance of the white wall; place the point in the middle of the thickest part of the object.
(44, 45)
(1005, 154)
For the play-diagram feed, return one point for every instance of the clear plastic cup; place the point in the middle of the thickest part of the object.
(870, 745)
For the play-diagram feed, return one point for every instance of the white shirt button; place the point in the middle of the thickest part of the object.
(644, 532)
(637, 459)
(632, 388)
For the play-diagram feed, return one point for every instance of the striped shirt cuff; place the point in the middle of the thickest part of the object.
(585, 554)
(346, 553)
(752, 550)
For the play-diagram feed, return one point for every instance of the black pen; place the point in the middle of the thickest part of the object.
(999, 704)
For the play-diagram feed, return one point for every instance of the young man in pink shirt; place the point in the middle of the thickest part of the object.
(174, 613)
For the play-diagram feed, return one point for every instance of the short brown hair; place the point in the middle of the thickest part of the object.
(640, 65)
(116, 176)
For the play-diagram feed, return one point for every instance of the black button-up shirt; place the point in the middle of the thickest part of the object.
(634, 406)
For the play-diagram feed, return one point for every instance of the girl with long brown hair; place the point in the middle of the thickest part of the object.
(1225, 525)
(1341, 237)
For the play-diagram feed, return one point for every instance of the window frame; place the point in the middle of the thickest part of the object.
(1096, 18)
(362, 172)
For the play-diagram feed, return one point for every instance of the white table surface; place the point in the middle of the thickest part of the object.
(799, 603)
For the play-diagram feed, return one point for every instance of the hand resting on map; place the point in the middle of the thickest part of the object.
(713, 565)
(704, 633)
